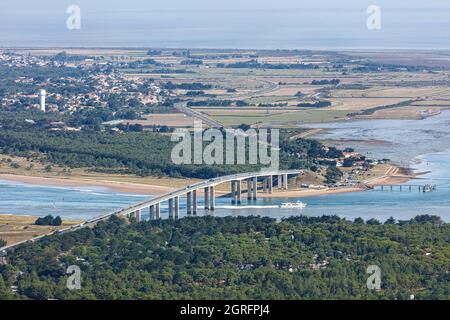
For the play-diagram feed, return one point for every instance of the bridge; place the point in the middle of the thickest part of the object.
(265, 181)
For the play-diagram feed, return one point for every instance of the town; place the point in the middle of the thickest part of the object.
(98, 92)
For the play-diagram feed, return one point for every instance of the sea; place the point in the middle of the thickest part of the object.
(250, 24)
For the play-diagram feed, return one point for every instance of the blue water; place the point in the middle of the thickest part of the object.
(265, 24)
(69, 202)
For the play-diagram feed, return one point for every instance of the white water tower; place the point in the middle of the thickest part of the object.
(42, 94)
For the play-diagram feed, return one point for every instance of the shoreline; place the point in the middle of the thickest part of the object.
(394, 175)
(127, 187)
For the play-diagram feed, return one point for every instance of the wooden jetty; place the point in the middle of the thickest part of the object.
(406, 187)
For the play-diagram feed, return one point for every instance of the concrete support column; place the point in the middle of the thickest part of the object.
(171, 209)
(270, 184)
(213, 197)
(137, 215)
(239, 191)
(255, 188)
(189, 203)
(152, 212)
(233, 192)
(285, 181)
(249, 189)
(194, 202)
(158, 211)
(206, 190)
(177, 207)
(280, 182)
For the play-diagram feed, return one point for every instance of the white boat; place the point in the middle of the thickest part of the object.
(293, 205)
(428, 188)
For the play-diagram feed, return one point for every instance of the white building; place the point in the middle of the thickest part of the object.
(42, 94)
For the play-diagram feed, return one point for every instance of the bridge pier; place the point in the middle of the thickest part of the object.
(239, 191)
(206, 190)
(213, 198)
(152, 212)
(189, 203)
(177, 207)
(171, 209)
(233, 192)
(137, 215)
(194, 202)
(280, 181)
(158, 211)
(236, 191)
(285, 181)
(255, 188)
(270, 184)
(249, 189)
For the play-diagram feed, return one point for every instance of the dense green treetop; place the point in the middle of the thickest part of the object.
(237, 258)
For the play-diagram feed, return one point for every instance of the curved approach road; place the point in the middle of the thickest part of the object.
(183, 108)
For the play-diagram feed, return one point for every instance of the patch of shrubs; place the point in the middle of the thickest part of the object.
(49, 221)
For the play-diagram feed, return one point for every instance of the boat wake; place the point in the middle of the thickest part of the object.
(283, 206)
(247, 207)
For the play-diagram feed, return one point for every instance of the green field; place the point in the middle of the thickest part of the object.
(304, 116)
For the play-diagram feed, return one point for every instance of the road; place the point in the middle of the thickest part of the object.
(183, 108)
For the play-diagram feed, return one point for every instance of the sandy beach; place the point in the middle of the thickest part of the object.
(128, 187)
(394, 175)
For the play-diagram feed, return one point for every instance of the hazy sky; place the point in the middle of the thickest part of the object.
(105, 5)
(230, 23)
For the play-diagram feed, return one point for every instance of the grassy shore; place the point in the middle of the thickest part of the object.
(14, 228)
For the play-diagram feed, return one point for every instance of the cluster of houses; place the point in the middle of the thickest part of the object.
(69, 94)
(349, 159)
(12, 60)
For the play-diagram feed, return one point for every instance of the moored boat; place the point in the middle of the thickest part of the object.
(293, 205)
